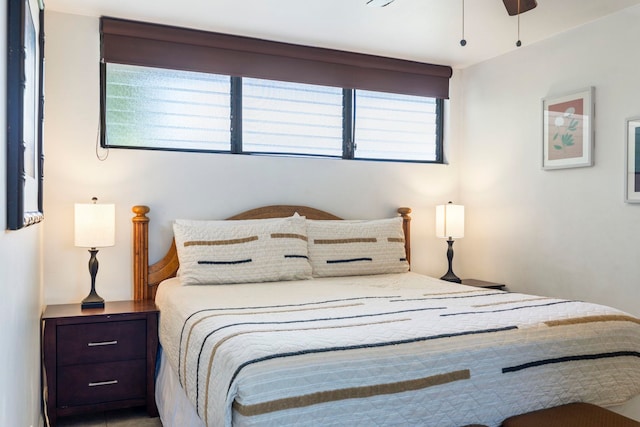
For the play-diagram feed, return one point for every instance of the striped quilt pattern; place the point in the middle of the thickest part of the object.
(400, 349)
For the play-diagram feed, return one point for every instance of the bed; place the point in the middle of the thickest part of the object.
(333, 344)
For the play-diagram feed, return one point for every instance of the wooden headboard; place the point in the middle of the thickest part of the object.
(146, 277)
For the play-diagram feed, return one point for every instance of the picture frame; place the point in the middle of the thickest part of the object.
(632, 161)
(25, 113)
(568, 130)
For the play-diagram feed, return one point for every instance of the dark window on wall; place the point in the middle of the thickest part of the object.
(171, 88)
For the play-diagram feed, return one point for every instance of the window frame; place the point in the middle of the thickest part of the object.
(439, 139)
(236, 146)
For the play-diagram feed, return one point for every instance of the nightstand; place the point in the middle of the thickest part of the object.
(483, 284)
(99, 359)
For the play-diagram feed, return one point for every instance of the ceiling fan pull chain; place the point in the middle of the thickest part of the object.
(463, 41)
(518, 43)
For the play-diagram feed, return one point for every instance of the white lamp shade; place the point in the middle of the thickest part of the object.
(95, 225)
(450, 221)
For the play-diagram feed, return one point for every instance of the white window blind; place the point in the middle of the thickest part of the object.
(291, 118)
(395, 127)
(149, 107)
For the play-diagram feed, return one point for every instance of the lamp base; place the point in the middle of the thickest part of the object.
(450, 277)
(93, 300)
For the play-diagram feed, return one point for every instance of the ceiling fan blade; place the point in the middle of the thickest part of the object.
(379, 3)
(525, 5)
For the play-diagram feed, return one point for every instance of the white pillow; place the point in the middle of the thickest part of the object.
(230, 222)
(348, 248)
(238, 251)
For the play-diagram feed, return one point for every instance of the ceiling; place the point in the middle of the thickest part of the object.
(419, 30)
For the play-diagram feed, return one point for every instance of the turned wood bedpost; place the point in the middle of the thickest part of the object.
(140, 253)
(406, 227)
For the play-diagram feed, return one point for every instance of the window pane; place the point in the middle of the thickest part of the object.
(291, 118)
(395, 127)
(159, 108)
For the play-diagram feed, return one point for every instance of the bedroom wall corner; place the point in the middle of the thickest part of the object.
(21, 302)
(563, 233)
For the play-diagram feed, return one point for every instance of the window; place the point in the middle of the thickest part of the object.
(292, 118)
(178, 89)
(181, 110)
(166, 109)
(396, 127)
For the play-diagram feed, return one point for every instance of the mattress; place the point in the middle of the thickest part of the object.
(401, 349)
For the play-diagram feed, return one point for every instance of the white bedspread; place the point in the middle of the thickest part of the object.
(401, 349)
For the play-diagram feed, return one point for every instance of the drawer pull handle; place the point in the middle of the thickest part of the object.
(96, 344)
(112, 382)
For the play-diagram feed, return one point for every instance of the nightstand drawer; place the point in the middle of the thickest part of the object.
(101, 342)
(101, 382)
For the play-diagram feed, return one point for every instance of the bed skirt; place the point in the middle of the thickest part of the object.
(173, 405)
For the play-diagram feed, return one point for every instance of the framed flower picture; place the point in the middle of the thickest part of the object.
(568, 135)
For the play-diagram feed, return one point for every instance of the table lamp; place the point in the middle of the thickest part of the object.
(94, 228)
(450, 225)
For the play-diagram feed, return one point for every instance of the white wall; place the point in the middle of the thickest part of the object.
(20, 271)
(565, 233)
(194, 185)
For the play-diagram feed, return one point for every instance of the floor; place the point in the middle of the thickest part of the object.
(135, 417)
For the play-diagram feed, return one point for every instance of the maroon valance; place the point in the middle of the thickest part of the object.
(153, 45)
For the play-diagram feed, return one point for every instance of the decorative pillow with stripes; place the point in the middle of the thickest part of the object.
(349, 248)
(219, 252)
